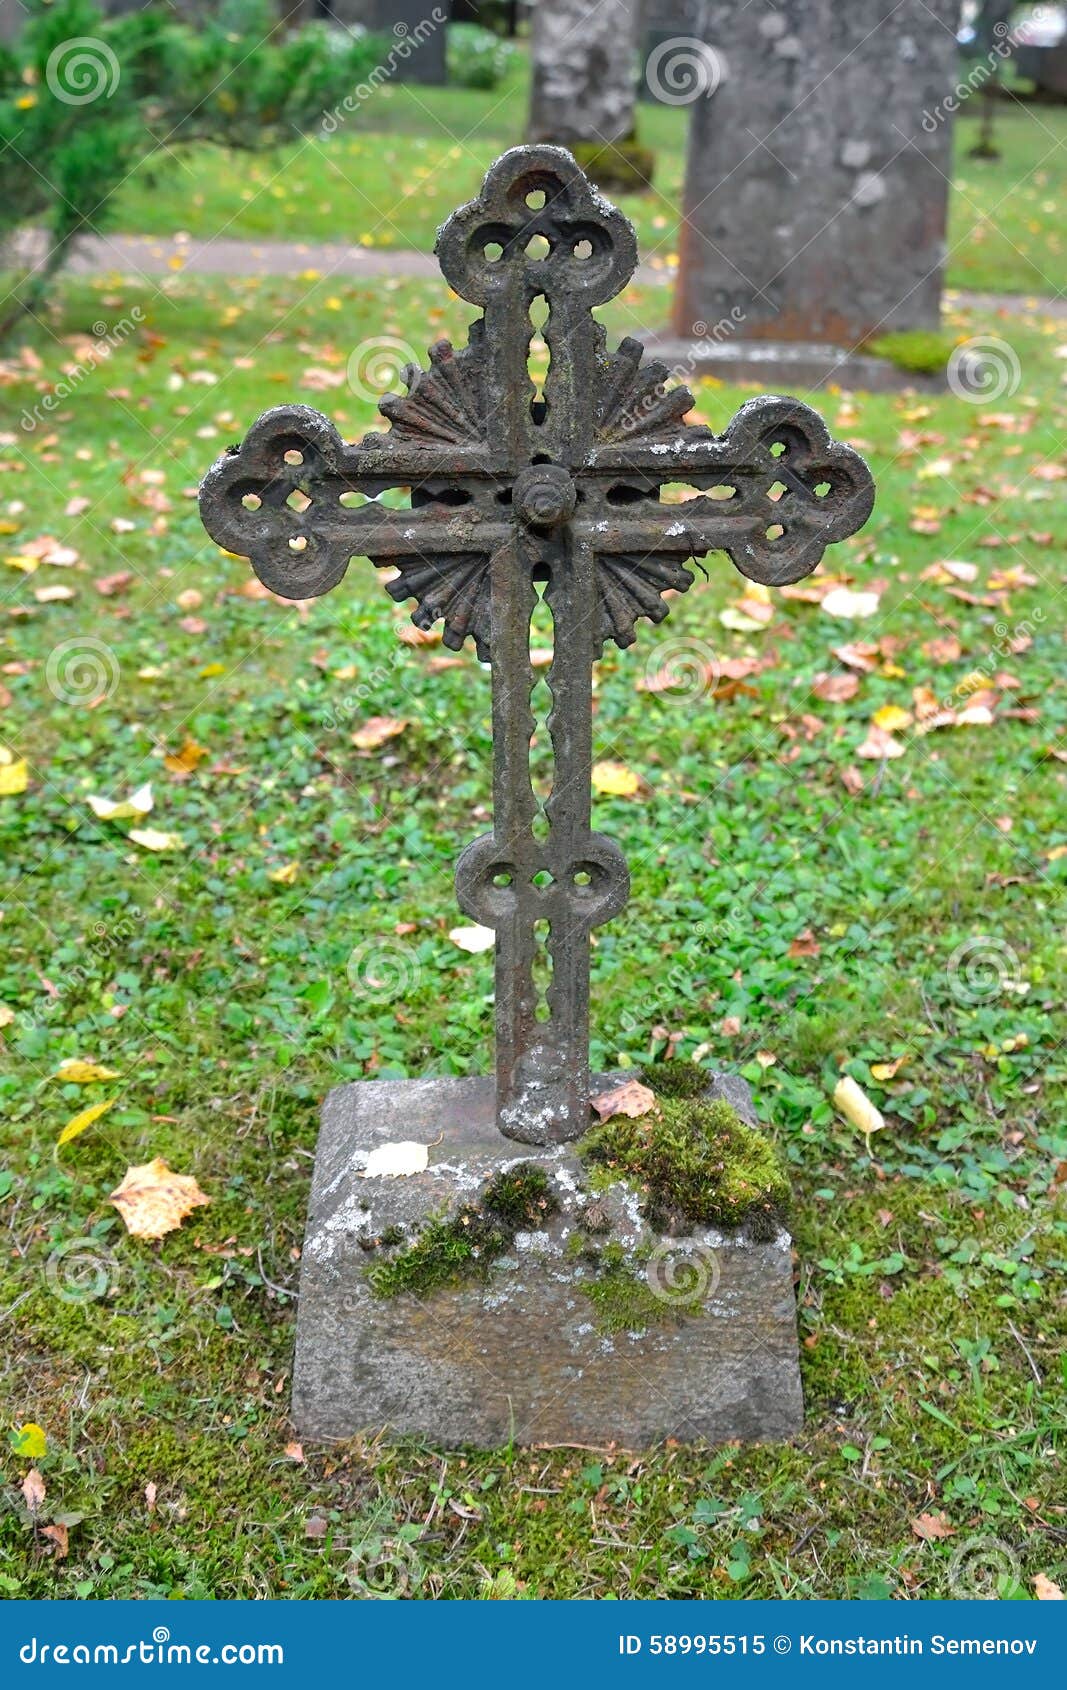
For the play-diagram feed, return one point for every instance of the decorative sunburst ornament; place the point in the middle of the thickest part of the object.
(510, 487)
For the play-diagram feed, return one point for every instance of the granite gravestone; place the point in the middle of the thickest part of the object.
(817, 182)
(512, 487)
(584, 56)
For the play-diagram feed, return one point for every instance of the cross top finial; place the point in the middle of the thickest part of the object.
(539, 226)
(513, 487)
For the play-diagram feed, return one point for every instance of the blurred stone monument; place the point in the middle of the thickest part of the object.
(817, 182)
(584, 88)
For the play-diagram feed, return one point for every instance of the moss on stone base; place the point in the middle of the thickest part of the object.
(623, 1298)
(699, 1165)
(922, 351)
(451, 1249)
(624, 166)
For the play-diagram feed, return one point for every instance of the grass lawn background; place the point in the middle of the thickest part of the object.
(798, 910)
(395, 170)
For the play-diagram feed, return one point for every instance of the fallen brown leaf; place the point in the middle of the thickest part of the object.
(33, 1490)
(630, 1098)
(805, 944)
(835, 689)
(376, 730)
(931, 1527)
(152, 1199)
(109, 585)
(59, 1535)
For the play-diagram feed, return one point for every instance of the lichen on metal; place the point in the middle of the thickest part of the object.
(514, 488)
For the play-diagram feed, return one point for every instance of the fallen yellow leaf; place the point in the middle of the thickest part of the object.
(888, 1070)
(891, 717)
(14, 778)
(30, 1441)
(183, 762)
(7, 1015)
(83, 1073)
(122, 809)
(85, 1118)
(153, 840)
(616, 780)
(152, 1199)
(856, 1106)
(286, 875)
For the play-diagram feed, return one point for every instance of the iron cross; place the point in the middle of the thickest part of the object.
(511, 488)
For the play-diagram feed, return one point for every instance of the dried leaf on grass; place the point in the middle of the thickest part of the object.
(153, 1200)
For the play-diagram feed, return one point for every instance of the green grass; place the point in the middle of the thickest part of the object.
(791, 926)
(396, 170)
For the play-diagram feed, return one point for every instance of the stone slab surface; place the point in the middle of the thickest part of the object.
(519, 1357)
(794, 367)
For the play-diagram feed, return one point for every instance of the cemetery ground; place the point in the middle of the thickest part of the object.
(421, 151)
(820, 886)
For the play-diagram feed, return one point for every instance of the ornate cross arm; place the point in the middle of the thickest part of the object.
(300, 503)
(512, 489)
(781, 490)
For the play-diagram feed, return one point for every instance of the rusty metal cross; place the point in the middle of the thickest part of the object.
(512, 488)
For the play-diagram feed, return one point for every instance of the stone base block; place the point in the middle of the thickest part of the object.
(791, 367)
(520, 1356)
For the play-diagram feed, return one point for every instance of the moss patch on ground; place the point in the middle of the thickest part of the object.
(676, 1078)
(451, 1249)
(698, 1163)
